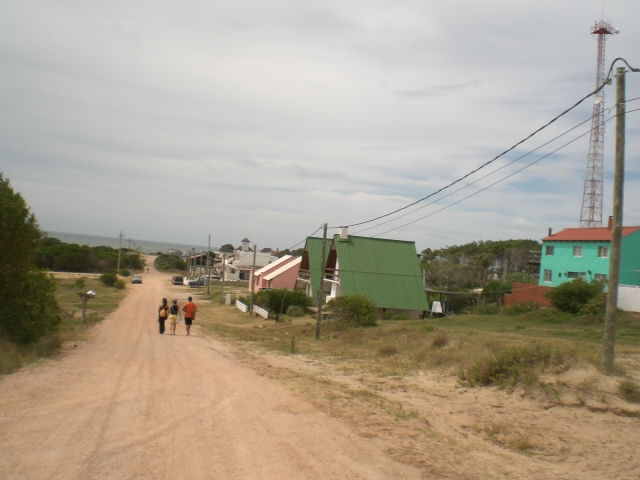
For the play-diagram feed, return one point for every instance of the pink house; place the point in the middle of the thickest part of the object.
(282, 273)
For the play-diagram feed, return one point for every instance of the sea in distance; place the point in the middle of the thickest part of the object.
(146, 246)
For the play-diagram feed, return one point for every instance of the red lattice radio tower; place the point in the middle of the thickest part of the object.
(591, 212)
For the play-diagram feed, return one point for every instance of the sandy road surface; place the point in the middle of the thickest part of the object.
(131, 403)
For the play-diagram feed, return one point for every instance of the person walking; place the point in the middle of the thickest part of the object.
(162, 314)
(174, 314)
(189, 310)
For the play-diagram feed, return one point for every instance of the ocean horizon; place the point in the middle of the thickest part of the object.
(146, 246)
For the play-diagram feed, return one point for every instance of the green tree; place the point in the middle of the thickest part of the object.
(356, 309)
(28, 309)
(573, 296)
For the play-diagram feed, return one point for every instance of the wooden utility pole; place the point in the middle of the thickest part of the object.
(207, 268)
(224, 260)
(252, 280)
(608, 356)
(321, 283)
(119, 250)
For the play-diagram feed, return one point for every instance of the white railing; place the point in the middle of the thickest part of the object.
(260, 311)
(241, 306)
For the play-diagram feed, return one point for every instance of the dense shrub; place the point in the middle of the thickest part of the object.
(52, 254)
(355, 309)
(279, 300)
(596, 306)
(521, 307)
(119, 284)
(124, 272)
(515, 365)
(494, 286)
(108, 279)
(572, 296)
(169, 262)
(28, 308)
(487, 309)
(80, 282)
(295, 311)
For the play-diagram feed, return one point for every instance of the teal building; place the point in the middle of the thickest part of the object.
(584, 253)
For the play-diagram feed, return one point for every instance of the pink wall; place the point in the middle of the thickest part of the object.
(285, 279)
(259, 282)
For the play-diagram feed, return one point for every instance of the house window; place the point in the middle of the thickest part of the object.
(583, 276)
(572, 274)
(577, 251)
(603, 252)
(547, 275)
(600, 277)
(549, 250)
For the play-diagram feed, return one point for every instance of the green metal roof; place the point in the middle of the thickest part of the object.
(386, 271)
(313, 250)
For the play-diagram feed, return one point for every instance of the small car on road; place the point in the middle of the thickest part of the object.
(136, 279)
(177, 280)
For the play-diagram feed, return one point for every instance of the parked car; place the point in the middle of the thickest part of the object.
(136, 279)
(197, 282)
(177, 280)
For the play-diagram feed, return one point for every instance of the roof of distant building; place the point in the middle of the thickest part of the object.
(586, 234)
(245, 240)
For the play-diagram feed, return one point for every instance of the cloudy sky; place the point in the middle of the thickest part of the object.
(175, 120)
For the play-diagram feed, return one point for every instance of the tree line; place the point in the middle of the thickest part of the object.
(494, 264)
(53, 254)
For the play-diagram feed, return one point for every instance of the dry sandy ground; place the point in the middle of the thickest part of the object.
(131, 403)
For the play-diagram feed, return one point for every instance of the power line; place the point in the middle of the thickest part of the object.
(481, 178)
(305, 239)
(486, 163)
(498, 181)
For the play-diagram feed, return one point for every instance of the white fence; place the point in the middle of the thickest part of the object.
(241, 306)
(261, 311)
(629, 298)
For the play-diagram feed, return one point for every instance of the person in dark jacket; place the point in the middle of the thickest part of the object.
(163, 312)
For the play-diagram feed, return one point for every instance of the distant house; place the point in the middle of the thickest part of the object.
(584, 253)
(386, 271)
(282, 273)
(238, 266)
(244, 246)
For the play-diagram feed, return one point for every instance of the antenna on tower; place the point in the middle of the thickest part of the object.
(591, 212)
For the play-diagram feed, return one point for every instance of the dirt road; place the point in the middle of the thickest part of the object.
(131, 403)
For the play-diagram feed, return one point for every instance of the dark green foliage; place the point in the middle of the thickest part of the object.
(295, 311)
(28, 309)
(356, 309)
(272, 300)
(52, 254)
(108, 279)
(521, 308)
(596, 306)
(571, 297)
(34, 313)
(169, 262)
(515, 365)
(295, 252)
(80, 282)
(488, 309)
(630, 391)
(494, 286)
(119, 284)
(124, 272)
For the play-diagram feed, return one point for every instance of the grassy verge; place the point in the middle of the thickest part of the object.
(502, 350)
(107, 299)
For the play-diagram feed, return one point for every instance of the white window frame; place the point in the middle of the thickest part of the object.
(598, 277)
(602, 250)
(577, 250)
(548, 275)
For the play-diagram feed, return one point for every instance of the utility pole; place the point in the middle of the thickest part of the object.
(253, 271)
(129, 243)
(208, 269)
(320, 286)
(608, 355)
(224, 261)
(119, 250)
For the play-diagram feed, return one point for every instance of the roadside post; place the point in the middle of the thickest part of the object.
(252, 279)
(85, 296)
